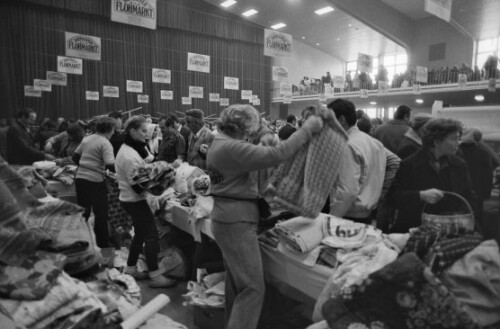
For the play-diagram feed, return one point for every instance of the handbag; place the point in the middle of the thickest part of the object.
(451, 222)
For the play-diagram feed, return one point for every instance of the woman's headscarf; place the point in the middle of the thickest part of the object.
(153, 143)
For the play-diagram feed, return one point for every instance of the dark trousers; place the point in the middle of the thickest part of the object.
(94, 197)
(146, 233)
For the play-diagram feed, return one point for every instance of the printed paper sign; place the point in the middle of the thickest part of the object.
(161, 76)
(422, 74)
(339, 82)
(328, 91)
(195, 92)
(383, 87)
(134, 12)
(417, 90)
(246, 94)
(186, 100)
(224, 102)
(363, 93)
(254, 97)
(69, 65)
(437, 106)
(256, 102)
(231, 83)
(280, 73)
(199, 63)
(42, 85)
(365, 63)
(462, 81)
(166, 94)
(322, 98)
(286, 89)
(492, 85)
(57, 78)
(277, 44)
(134, 86)
(212, 97)
(83, 46)
(111, 91)
(439, 8)
(29, 91)
(288, 99)
(92, 95)
(143, 99)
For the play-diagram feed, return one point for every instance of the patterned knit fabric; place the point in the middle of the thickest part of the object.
(303, 183)
(118, 218)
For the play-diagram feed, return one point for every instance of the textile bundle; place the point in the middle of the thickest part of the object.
(155, 177)
(303, 183)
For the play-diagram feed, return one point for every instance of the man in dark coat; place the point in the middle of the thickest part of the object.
(289, 128)
(392, 132)
(20, 146)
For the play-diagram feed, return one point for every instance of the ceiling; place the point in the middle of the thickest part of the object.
(354, 36)
(343, 36)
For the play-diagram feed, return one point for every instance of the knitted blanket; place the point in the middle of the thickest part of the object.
(303, 183)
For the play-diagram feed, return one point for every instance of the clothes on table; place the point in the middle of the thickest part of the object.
(301, 234)
(302, 183)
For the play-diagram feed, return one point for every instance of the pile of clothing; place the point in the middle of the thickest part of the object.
(208, 291)
(155, 177)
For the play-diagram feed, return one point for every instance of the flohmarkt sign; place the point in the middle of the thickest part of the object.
(83, 46)
(135, 12)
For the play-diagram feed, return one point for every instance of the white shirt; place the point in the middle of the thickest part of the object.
(127, 160)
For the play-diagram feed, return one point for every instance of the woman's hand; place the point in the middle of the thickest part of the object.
(313, 123)
(431, 196)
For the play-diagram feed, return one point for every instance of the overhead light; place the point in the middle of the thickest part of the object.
(419, 101)
(373, 103)
(278, 26)
(317, 44)
(338, 39)
(250, 12)
(303, 37)
(479, 98)
(349, 25)
(324, 10)
(228, 3)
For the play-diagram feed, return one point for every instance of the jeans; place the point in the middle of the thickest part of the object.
(244, 274)
(93, 196)
(146, 233)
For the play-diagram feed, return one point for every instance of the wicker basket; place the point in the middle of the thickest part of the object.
(451, 222)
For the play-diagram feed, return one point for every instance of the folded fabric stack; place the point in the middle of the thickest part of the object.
(301, 234)
(65, 175)
(208, 291)
(155, 177)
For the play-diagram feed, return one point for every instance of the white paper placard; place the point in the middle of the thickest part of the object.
(214, 97)
(328, 91)
(439, 8)
(422, 74)
(166, 94)
(365, 63)
(83, 46)
(286, 89)
(417, 90)
(224, 102)
(57, 78)
(338, 82)
(246, 94)
(135, 12)
(231, 83)
(255, 96)
(462, 81)
(383, 87)
(92, 95)
(42, 85)
(111, 91)
(134, 86)
(198, 62)
(143, 99)
(186, 100)
(256, 102)
(161, 76)
(288, 99)
(437, 106)
(363, 93)
(29, 91)
(277, 44)
(492, 85)
(280, 73)
(195, 92)
(69, 65)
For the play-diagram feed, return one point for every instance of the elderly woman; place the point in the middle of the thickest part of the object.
(153, 139)
(412, 139)
(132, 155)
(93, 156)
(425, 175)
(232, 163)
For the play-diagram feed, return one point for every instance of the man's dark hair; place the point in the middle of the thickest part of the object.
(115, 115)
(171, 121)
(291, 118)
(76, 132)
(402, 112)
(342, 107)
(24, 113)
(182, 122)
(104, 125)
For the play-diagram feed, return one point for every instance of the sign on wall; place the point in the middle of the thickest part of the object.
(365, 63)
(224, 102)
(111, 91)
(134, 86)
(246, 94)
(277, 44)
(288, 99)
(186, 101)
(422, 74)
(161, 76)
(143, 99)
(439, 8)
(29, 91)
(69, 65)
(256, 102)
(280, 73)
(135, 12)
(83, 46)
(195, 92)
(214, 97)
(199, 63)
(338, 82)
(57, 78)
(92, 95)
(286, 89)
(166, 94)
(231, 83)
(42, 85)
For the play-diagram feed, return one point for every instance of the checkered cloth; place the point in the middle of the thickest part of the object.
(303, 183)
(120, 221)
(328, 257)
(446, 252)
